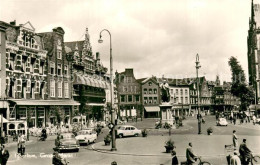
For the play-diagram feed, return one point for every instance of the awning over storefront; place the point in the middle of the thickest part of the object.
(96, 104)
(45, 102)
(99, 82)
(4, 120)
(152, 109)
(254, 107)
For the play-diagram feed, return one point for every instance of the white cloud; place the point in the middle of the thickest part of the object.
(153, 37)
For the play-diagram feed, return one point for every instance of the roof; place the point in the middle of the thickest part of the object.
(72, 45)
(44, 102)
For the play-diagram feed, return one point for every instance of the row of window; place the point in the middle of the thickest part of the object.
(179, 91)
(52, 89)
(150, 91)
(59, 69)
(129, 88)
(177, 100)
(150, 100)
(129, 98)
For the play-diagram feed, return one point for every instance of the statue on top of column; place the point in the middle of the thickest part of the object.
(165, 94)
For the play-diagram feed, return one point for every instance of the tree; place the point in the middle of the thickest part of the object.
(239, 86)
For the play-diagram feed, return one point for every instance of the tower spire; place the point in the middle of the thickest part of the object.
(252, 12)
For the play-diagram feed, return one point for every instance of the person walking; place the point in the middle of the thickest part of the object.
(174, 158)
(190, 155)
(21, 144)
(234, 139)
(234, 120)
(235, 160)
(4, 155)
(254, 119)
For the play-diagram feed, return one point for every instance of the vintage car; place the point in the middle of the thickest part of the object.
(86, 136)
(127, 130)
(222, 121)
(66, 142)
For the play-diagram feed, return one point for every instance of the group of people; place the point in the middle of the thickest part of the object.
(245, 153)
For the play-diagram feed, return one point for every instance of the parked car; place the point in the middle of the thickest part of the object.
(66, 141)
(257, 120)
(102, 124)
(222, 121)
(86, 136)
(127, 130)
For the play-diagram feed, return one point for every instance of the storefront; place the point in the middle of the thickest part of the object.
(152, 112)
(42, 113)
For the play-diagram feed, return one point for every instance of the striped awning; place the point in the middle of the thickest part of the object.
(80, 79)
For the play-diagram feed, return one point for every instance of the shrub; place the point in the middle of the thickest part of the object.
(210, 130)
(170, 143)
(144, 132)
(167, 125)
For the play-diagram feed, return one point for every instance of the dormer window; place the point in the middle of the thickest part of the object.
(27, 41)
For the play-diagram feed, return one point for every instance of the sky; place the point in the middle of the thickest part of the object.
(154, 37)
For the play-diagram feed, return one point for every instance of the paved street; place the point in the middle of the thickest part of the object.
(148, 150)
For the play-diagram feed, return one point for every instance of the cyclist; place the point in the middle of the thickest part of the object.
(191, 157)
(245, 153)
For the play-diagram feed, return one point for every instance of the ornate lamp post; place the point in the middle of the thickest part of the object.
(198, 102)
(111, 92)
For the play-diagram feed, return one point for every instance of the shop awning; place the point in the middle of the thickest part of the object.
(254, 107)
(45, 102)
(96, 104)
(152, 109)
(4, 120)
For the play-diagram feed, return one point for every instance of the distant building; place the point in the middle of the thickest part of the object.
(91, 85)
(27, 76)
(204, 92)
(129, 95)
(224, 100)
(150, 97)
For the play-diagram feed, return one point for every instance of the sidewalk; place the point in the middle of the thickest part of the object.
(211, 148)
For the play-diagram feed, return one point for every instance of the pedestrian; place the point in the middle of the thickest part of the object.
(21, 144)
(4, 155)
(245, 153)
(235, 160)
(190, 155)
(254, 119)
(234, 120)
(234, 139)
(174, 158)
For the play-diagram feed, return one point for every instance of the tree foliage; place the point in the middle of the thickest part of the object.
(239, 86)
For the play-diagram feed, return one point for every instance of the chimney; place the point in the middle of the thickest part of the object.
(13, 22)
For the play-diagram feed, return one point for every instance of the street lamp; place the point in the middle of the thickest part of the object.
(198, 101)
(111, 91)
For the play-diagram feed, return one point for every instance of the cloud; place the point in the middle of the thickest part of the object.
(153, 37)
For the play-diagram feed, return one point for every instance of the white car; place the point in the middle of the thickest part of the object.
(257, 120)
(86, 136)
(222, 121)
(127, 130)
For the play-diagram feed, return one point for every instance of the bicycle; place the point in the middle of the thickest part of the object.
(201, 162)
(254, 160)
